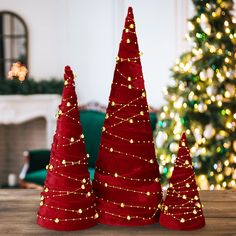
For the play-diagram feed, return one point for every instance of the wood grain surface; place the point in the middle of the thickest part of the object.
(18, 209)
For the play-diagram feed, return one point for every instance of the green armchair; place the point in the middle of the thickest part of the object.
(92, 117)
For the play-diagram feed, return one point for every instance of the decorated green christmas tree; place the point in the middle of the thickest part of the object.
(201, 98)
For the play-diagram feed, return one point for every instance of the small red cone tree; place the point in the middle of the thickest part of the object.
(182, 209)
(126, 181)
(67, 200)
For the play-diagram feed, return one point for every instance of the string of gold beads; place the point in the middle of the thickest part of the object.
(187, 185)
(186, 192)
(65, 99)
(125, 105)
(181, 206)
(130, 105)
(141, 113)
(69, 164)
(180, 157)
(63, 193)
(69, 177)
(72, 118)
(57, 220)
(122, 121)
(190, 200)
(78, 211)
(66, 83)
(123, 205)
(46, 189)
(126, 189)
(184, 205)
(129, 31)
(130, 119)
(129, 78)
(129, 86)
(128, 217)
(60, 112)
(67, 192)
(181, 164)
(128, 59)
(151, 161)
(181, 182)
(128, 140)
(116, 175)
(71, 140)
(65, 162)
(183, 220)
(195, 211)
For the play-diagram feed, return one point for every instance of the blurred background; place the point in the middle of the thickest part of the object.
(47, 35)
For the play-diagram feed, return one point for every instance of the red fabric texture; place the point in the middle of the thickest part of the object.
(68, 174)
(126, 183)
(182, 209)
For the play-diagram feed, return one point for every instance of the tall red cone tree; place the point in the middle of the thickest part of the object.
(67, 200)
(182, 209)
(126, 181)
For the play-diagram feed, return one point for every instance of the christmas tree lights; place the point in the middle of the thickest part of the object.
(201, 98)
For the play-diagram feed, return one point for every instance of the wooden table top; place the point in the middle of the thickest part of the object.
(18, 209)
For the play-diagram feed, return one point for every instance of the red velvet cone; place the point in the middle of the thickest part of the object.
(182, 209)
(67, 201)
(126, 180)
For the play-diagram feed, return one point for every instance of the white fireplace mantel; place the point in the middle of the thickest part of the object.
(17, 109)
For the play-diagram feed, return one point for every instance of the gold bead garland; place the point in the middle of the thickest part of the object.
(60, 113)
(125, 105)
(126, 189)
(180, 164)
(128, 59)
(130, 120)
(123, 205)
(66, 82)
(78, 211)
(127, 77)
(71, 140)
(68, 177)
(183, 220)
(181, 182)
(128, 154)
(128, 140)
(187, 184)
(124, 120)
(66, 99)
(65, 163)
(57, 220)
(62, 193)
(195, 211)
(129, 86)
(113, 103)
(116, 175)
(129, 217)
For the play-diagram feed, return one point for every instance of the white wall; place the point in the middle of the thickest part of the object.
(86, 35)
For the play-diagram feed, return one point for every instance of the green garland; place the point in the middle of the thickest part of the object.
(30, 86)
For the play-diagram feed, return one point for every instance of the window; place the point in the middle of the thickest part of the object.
(13, 41)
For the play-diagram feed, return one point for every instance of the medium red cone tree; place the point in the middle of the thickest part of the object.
(182, 209)
(67, 201)
(126, 181)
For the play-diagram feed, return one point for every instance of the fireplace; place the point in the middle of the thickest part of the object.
(26, 122)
